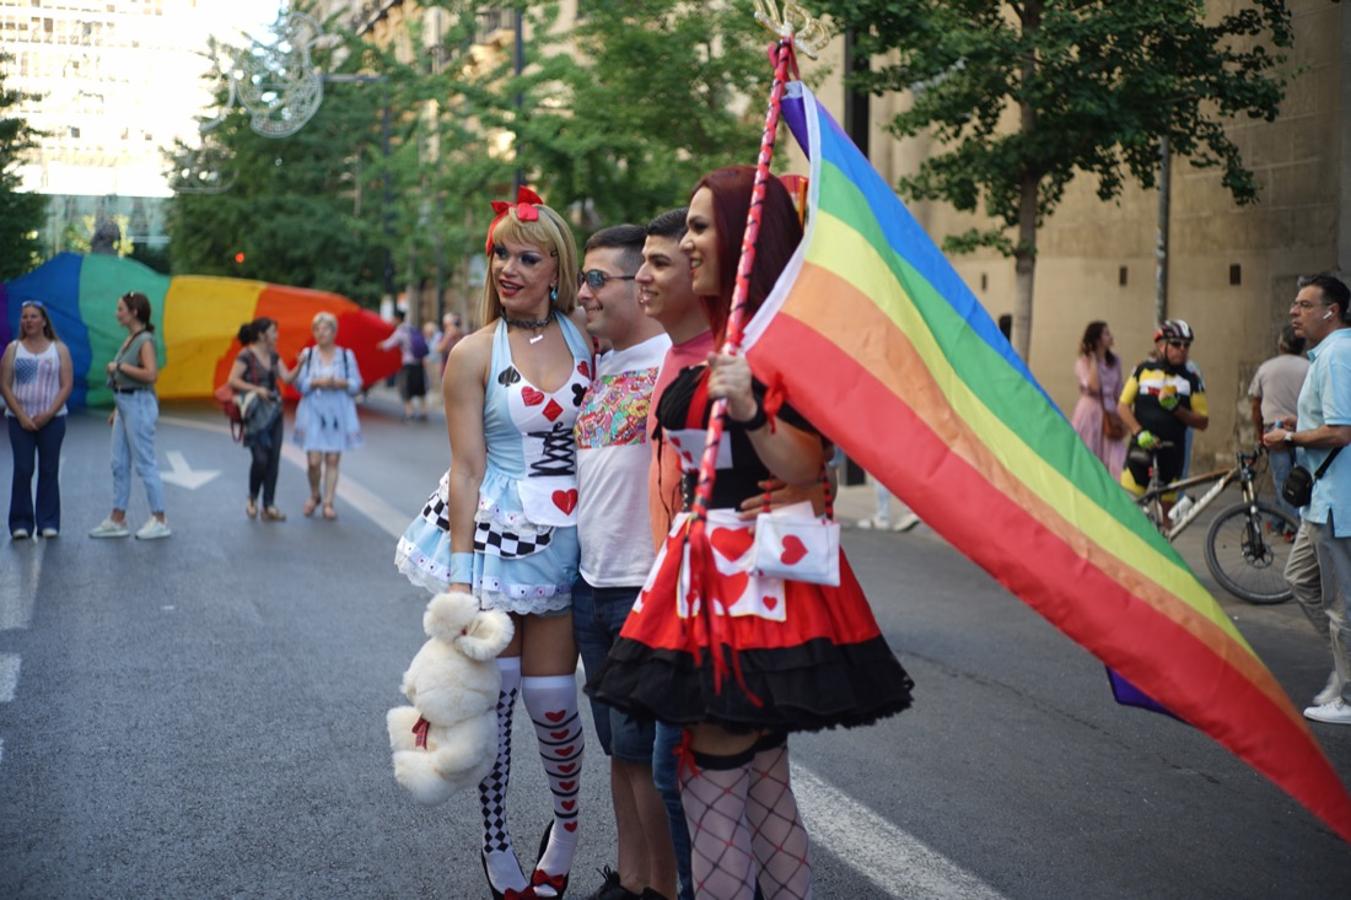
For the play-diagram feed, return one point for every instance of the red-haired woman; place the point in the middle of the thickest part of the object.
(807, 656)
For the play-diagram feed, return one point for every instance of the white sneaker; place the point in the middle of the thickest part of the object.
(1334, 713)
(19, 534)
(50, 533)
(1331, 691)
(110, 529)
(906, 522)
(874, 523)
(153, 530)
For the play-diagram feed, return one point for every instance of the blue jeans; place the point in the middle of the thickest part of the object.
(134, 444)
(46, 443)
(1282, 460)
(667, 780)
(598, 615)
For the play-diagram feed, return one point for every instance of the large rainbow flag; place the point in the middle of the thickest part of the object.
(912, 378)
(196, 318)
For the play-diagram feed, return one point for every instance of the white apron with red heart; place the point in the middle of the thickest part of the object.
(732, 541)
(548, 493)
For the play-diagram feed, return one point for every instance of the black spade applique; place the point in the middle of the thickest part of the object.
(508, 376)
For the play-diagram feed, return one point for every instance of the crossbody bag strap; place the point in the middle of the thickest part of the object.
(1327, 462)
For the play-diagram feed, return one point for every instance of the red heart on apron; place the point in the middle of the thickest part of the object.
(770, 602)
(731, 542)
(566, 501)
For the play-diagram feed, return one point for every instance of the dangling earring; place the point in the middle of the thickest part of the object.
(553, 293)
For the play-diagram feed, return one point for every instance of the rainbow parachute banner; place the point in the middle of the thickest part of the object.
(195, 316)
(913, 379)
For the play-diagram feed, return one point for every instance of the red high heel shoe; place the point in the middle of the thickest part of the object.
(541, 878)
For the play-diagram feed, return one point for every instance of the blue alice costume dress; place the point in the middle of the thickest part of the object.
(525, 526)
(326, 419)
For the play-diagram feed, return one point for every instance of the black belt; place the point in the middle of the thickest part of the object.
(128, 390)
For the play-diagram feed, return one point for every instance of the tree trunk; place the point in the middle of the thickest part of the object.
(1025, 254)
(1025, 265)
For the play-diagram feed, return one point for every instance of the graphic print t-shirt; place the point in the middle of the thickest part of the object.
(612, 466)
(1153, 379)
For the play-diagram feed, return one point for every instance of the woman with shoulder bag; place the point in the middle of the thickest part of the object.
(326, 419)
(256, 378)
(1095, 417)
(36, 377)
(131, 376)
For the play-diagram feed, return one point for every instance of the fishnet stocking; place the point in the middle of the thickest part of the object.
(778, 837)
(714, 797)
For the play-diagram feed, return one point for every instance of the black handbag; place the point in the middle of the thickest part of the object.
(1298, 487)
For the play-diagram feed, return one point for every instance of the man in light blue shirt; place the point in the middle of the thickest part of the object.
(1320, 315)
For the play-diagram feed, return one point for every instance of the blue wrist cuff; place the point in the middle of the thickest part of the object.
(461, 568)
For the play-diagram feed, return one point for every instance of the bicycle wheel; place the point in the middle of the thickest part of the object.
(1246, 551)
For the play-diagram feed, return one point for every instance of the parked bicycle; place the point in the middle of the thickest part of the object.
(1248, 543)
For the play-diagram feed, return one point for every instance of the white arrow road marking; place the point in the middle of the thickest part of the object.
(9, 676)
(183, 476)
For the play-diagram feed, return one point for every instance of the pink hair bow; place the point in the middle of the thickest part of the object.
(526, 210)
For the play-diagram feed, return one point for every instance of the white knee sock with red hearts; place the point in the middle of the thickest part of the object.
(551, 701)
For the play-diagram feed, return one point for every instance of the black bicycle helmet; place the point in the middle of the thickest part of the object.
(1176, 330)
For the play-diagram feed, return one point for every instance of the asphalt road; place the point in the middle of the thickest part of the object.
(204, 717)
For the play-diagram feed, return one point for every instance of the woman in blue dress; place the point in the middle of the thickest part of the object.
(326, 419)
(502, 524)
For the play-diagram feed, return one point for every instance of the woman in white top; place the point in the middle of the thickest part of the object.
(35, 379)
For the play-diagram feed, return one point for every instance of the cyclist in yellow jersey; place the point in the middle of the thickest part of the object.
(1162, 399)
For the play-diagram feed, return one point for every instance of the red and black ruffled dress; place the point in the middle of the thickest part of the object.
(796, 656)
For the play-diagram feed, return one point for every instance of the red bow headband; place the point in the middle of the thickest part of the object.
(526, 211)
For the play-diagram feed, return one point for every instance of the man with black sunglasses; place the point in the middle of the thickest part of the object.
(613, 456)
(1161, 400)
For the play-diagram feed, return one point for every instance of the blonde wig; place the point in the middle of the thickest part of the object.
(548, 232)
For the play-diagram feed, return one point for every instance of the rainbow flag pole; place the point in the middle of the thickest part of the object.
(914, 381)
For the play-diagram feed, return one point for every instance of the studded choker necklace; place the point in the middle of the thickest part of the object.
(532, 324)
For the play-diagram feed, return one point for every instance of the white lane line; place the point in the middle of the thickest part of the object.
(19, 584)
(895, 861)
(389, 519)
(9, 676)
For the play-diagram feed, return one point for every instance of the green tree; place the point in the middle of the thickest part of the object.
(21, 213)
(303, 210)
(1090, 86)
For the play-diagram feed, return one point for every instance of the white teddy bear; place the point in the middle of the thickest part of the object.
(447, 740)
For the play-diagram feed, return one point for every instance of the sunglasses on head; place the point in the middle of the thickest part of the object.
(37, 304)
(596, 279)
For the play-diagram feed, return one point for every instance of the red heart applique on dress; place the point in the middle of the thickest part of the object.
(531, 397)
(731, 542)
(566, 501)
(735, 585)
(553, 410)
(770, 602)
(792, 550)
(583, 369)
(556, 716)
